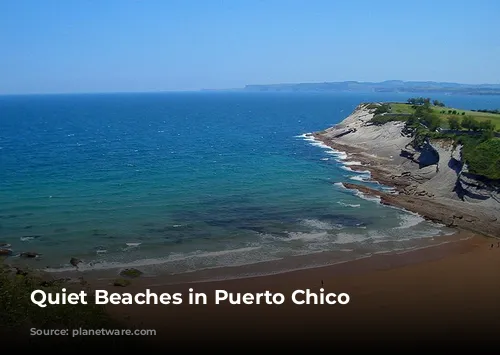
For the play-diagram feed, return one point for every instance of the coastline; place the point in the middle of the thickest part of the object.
(416, 293)
(353, 158)
(447, 288)
(443, 245)
(412, 189)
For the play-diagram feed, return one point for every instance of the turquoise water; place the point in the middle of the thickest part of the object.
(187, 181)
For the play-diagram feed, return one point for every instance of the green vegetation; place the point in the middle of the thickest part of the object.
(19, 311)
(482, 156)
(489, 111)
(445, 113)
(475, 130)
(390, 117)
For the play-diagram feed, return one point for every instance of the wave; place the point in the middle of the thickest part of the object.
(359, 178)
(175, 257)
(320, 225)
(368, 198)
(349, 238)
(293, 236)
(348, 204)
(317, 143)
(409, 220)
(339, 156)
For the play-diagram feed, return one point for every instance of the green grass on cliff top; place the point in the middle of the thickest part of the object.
(403, 108)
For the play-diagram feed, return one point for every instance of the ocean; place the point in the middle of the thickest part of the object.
(180, 182)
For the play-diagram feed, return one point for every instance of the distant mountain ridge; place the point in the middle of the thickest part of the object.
(384, 86)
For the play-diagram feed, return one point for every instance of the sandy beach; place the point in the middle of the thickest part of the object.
(445, 295)
(445, 291)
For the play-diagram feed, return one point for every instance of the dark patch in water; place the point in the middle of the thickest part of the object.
(173, 229)
(183, 237)
(28, 227)
(60, 230)
(17, 215)
(98, 233)
(221, 222)
(235, 200)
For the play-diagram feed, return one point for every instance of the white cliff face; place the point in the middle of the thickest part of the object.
(437, 168)
(360, 116)
(384, 141)
(453, 181)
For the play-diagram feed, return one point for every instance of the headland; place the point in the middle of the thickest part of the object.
(441, 162)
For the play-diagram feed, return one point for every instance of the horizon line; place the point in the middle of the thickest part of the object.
(232, 89)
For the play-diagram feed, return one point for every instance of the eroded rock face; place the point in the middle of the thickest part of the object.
(446, 174)
(427, 155)
(431, 179)
(470, 188)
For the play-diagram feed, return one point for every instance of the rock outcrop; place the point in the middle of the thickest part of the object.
(432, 170)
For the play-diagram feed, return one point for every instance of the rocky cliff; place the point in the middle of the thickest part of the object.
(433, 169)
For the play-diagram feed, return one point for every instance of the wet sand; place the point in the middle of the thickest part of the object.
(451, 290)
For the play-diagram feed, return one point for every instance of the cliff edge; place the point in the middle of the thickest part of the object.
(427, 175)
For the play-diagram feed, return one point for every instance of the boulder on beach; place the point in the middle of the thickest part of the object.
(131, 272)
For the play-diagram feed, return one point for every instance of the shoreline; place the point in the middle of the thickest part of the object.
(408, 195)
(432, 294)
(281, 265)
(420, 292)
(353, 159)
(272, 268)
(434, 291)
(449, 287)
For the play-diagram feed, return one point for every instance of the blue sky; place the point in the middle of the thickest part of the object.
(54, 46)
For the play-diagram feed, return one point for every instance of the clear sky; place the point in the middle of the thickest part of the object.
(49, 46)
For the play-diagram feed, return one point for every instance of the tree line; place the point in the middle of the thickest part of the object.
(420, 101)
(496, 111)
(470, 123)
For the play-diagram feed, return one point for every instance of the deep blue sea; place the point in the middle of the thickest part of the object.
(187, 181)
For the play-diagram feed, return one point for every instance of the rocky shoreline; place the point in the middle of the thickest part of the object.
(427, 189)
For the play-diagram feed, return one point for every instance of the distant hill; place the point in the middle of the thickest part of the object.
(385, 86)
